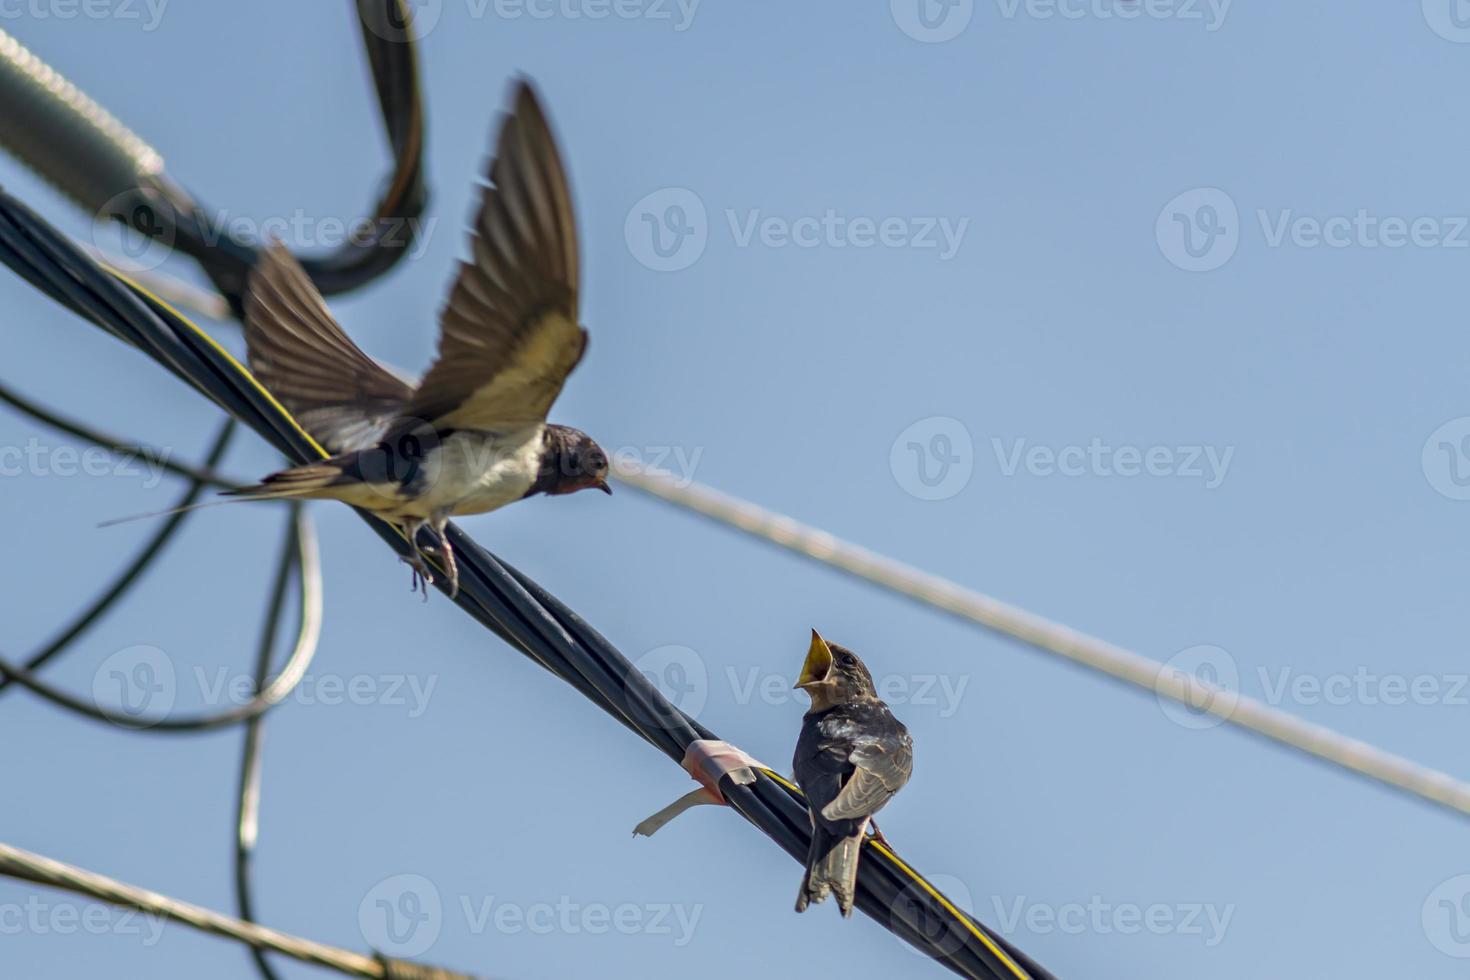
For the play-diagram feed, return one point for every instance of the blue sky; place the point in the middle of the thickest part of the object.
(1147, 318)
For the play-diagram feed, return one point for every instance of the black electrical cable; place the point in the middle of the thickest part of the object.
(389, 234)
(266, 697)
(247, 801)
(113, 443)
(504, 600)
(165, 212)
(120, 585)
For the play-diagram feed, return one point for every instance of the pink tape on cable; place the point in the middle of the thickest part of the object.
(708, 760)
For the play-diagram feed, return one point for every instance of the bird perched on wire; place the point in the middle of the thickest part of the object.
(851, 757)
(472, 435)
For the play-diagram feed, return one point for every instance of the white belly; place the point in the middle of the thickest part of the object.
(475, 472)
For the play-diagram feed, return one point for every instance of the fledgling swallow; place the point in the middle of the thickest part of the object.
(851, 757)
(472, 435)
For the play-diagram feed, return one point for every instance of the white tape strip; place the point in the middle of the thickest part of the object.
(707, 760)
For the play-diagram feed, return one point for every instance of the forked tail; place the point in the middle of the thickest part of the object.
(831, 867)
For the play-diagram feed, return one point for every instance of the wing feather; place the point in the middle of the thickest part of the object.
(883, 766)
(304, 358)
(509, 333)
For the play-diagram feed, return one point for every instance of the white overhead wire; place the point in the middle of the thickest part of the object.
(1044, 634)
(1037, 631)
(34, 867)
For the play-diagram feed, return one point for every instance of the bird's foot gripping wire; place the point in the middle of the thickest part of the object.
(423, 575)
(877, 837)
(446, 553)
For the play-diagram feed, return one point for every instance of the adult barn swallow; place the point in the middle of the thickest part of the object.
(472, 435)
(852, 756)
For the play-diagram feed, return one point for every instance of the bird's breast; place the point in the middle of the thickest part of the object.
(474, 472)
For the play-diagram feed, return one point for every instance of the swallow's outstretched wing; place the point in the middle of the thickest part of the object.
(883, 763)
(509, 334)
(340, 395)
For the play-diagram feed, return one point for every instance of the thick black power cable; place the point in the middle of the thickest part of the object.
(102, 158)
(505, 601)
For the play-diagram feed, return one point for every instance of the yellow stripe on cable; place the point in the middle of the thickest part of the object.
(1237, 709)
(1089, 651)
(934, 893)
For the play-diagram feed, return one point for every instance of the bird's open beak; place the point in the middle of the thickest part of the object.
(818, 662)
(602, 485)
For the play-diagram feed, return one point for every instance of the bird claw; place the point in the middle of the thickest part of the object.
(422, 576)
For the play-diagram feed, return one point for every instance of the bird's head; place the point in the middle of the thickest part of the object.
(571, 461)
(833, 674)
